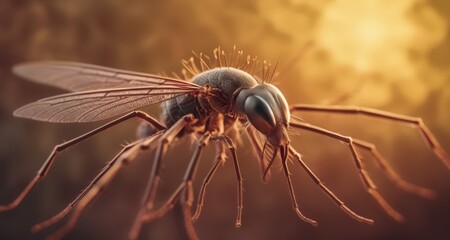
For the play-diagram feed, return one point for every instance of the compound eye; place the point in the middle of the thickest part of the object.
(260, 114)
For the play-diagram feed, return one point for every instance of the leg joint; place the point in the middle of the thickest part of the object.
(188, 118)
(60, 147)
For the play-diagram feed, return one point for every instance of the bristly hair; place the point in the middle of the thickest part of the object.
(199, 62)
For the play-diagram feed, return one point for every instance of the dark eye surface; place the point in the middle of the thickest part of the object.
(259, 113)
(282, 103)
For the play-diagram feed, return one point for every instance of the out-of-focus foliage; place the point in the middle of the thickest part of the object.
(396, 54)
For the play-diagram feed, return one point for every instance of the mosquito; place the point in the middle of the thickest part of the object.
(215, 98)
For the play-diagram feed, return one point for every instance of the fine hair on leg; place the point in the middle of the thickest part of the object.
(220, 158)
(152, 185)
(185, 191)
(232, 149)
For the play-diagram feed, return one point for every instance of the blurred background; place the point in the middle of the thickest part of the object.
(389, 55)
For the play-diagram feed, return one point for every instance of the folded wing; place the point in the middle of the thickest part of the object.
(95, 105)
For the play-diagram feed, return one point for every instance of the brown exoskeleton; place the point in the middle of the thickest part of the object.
(219, 98)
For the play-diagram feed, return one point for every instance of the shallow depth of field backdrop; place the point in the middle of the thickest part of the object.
(395, 53)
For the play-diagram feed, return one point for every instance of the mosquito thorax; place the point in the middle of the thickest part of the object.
(227, 79)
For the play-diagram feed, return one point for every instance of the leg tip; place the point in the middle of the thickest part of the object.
(36, 229)
(399, 218)
(428, 194)
(306, 219)
(4, 208)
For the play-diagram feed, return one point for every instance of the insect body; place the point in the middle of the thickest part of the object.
(226, 82)
(218, 101)
(240, 95)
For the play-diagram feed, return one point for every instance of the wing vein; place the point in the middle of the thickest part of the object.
(82, 77)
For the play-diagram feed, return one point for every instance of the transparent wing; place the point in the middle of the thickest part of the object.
(75, 77)
(95, 105)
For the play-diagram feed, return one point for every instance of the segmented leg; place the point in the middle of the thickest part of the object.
(149, 195)
(429, 137)
(292, 193)
(367, 181)
(58, 149)
(232, 148)
(220, 158)
(184, 193)
(391, 174)
(57, 217)
(79, 203)
(166, 207)
(382, 163)
(327, 191)
(125, 156)
(187, 197)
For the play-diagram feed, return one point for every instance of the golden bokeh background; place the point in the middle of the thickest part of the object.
(390, 55)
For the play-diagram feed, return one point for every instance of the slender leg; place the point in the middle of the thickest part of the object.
(167, 138)
(327, 191)
(86, 197)
(126, 155)
(185, 191)
(368, 183)
(220, 158)
(57, 217)
(392, 175)
(292, 193)
(188, 195)
(258, 151)
(166, 207)
(58, 149)
(429, 137)
(153, 182)
(231, 147)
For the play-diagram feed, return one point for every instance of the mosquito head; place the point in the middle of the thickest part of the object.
(268, 111)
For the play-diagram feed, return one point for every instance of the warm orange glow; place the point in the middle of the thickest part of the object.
(379, 37)
(395, 53)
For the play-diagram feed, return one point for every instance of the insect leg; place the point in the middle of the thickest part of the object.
(166, 207)
(391, 174)
(153, 182)
(367, 181)
(220, 158)
(327, 191)
(125, 156)
(58, 149)
(418, 122)
(232, 149)
(386, 169)
(185, 189)
(188, 195)
(292, 193)
(61, 214)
